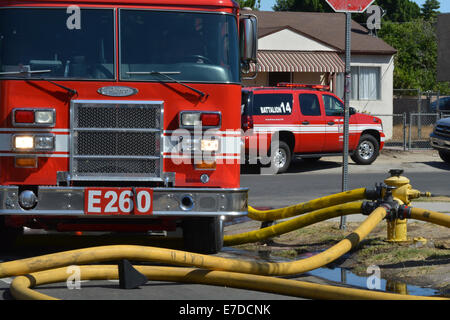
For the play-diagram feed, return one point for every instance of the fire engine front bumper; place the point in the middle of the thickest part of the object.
(179, 202)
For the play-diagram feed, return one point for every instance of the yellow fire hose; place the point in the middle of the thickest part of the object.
(431, 216)
(20, 287)
(316, 204)
(176, 257)
(293, 224)
(219, 271)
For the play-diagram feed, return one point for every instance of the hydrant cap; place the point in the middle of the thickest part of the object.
(397, 181)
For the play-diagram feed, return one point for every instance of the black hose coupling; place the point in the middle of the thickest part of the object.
(387, 202)
(377, 193)
(404, 212)
(369, 206)
(391, 209)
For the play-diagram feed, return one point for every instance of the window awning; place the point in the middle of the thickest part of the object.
(299, 61)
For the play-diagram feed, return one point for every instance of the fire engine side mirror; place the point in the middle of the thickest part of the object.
(248, 26)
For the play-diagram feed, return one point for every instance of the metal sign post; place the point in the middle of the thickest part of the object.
(347, 91)
(347, 6)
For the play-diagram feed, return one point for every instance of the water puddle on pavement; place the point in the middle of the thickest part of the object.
(346, 277)
(338, 275)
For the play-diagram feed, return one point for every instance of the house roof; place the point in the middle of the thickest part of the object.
(327, 28)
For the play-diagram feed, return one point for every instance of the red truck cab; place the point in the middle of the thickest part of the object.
(104, 109)
(303, 121)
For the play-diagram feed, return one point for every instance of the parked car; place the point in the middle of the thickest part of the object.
(444, 104)
(308, 122)
(440, 138)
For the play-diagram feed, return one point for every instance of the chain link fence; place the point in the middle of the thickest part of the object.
(413, 120)
(410, 131)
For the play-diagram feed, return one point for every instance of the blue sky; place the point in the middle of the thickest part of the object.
(266, 5)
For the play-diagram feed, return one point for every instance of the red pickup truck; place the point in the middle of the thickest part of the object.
(303, 121)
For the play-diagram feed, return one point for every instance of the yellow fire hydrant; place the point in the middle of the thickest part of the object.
(404, 193)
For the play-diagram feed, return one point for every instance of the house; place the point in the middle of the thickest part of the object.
(309, 48)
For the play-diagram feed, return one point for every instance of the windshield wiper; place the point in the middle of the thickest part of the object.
(70, 90)
(26, 71)
(166, 74)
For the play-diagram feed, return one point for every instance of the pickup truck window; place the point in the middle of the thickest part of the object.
(333, 107)
(272, 104)
(309, 104)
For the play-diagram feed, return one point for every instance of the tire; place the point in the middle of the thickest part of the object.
(203, 235)
(367, 150)
(445, 155)
(280, 159)
(8, 235)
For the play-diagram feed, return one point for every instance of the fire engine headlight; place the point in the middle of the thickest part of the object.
(44, 142)
(189, 119)
(33, 142)
(45, 117)
(33, 117)
(23, 142)
(205, 119)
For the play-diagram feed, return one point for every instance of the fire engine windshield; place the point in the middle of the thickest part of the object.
(190, 46)
(66, 43)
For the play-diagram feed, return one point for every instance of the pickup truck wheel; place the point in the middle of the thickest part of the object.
(203, 235)
(445, 155)
(280, 159)
(8, 235)
(367, 150)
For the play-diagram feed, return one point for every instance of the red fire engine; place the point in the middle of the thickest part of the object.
(122, 116)
(304, 121)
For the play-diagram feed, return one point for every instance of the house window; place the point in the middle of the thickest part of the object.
(366, 84)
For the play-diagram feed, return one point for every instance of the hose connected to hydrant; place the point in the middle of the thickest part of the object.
(32, 272)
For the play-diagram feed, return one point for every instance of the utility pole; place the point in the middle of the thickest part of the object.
(347, 96)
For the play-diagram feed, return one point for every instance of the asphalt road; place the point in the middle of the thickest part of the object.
(306, 181)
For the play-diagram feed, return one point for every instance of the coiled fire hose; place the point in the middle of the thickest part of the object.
(220, 271)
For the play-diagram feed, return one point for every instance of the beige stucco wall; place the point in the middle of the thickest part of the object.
(385, 105)
(309, 78)
(289, 40)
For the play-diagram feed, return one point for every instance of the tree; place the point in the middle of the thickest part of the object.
(254, 4)
(302, 5)
(430, 9)
(416, 60)
(399, 10)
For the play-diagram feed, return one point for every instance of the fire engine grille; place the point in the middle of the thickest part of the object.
(116, 140)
